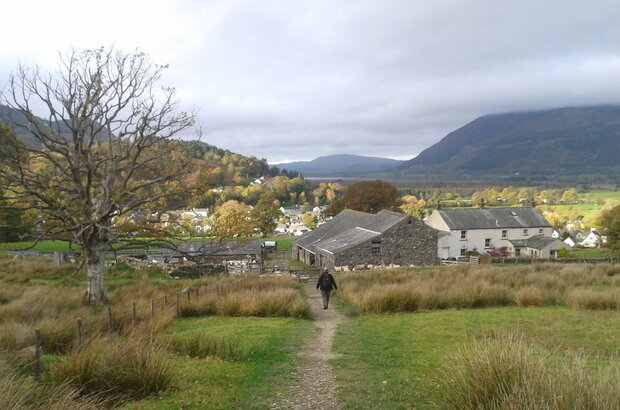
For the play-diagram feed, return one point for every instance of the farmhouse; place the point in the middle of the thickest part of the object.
(357, 240)
(519, 231)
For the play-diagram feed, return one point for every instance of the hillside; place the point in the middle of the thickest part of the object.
(341, 165)
(561, 141)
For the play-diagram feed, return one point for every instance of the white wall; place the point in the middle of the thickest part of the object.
(475, 239)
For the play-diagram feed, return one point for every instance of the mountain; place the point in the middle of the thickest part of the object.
(341, 165)
(16, 121)
(576, 140)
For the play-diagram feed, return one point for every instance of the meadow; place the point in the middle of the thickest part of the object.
(488, 337)
(226, 338)
(484, 337)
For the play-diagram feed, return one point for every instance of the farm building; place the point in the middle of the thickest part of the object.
(355, 239)
(215, 252)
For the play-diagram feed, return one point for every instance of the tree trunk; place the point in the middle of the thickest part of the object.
(95, 290)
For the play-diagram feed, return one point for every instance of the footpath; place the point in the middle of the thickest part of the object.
(313, 387)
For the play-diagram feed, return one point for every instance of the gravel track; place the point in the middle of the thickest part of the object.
(312, 387)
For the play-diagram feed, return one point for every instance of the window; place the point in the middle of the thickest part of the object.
(540, 231)
(463, 251)
(517, 251)
(375, 248)
(525, 232)
(463, 234)
(504, 234)
(487, 243)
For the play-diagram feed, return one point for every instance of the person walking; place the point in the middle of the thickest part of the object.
(326, 283)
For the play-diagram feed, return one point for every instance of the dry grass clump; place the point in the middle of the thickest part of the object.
(17, 392)
(268, 303)
(133, 367)
(508, 374)
(468, 286)
(588, 299)
(205, 346)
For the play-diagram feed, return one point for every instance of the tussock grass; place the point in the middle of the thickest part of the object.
(206, 346)
(17, 392)
(506, 373)
(133, 367)
(465, 287)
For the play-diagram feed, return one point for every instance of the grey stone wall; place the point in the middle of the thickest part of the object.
(409, 243)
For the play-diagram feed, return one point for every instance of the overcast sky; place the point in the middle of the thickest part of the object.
(294, 80)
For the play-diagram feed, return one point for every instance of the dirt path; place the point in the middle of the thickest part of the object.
(313, 386)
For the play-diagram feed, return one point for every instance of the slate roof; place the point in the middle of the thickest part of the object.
(348, 228)
(493, 218)
(535, 242)
(216, 248)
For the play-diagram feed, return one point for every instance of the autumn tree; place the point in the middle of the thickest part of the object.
(570, 196)
(231, 219)
(95, 156)
(309, 220)
(366, 196)
(610, 224)
(266, 213)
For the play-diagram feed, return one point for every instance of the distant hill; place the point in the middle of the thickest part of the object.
(15, 120)
(561, 141)
(341, 165)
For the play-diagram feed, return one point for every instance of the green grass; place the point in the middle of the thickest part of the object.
(390, 361)
(268, 359)
(591, 253)
(60, 246)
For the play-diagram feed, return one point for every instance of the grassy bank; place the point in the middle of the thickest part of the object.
(398, 360)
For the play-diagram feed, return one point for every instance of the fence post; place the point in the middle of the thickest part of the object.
(110, 319)
(165, 301)
(80, 335)
(152, 308)
(37, 355)
(133, 313)
(178, 306)
(189, 295)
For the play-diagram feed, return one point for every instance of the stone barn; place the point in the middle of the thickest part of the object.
(357, 240)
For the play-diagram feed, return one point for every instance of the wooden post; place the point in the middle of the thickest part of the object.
(178, 306)
(133, 314)
(110, 319)
(165, 301)
(37, 355)
(152, 308)
(80, 335)
(189, 294)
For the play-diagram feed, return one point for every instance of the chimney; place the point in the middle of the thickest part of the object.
(481, 203)
(533, 204)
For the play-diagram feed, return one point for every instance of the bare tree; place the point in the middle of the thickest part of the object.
(99, 154)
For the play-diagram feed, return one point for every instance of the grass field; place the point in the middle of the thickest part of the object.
(267, 349)
(393, 361)
(60, 246)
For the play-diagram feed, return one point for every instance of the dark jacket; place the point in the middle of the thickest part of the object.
(326, 284)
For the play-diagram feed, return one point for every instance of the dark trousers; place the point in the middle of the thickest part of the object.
(325, 296)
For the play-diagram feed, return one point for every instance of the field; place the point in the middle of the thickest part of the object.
(428, 338)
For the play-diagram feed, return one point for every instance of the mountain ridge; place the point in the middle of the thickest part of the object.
(341, 165)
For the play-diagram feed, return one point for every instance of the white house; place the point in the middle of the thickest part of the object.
(483, 230)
